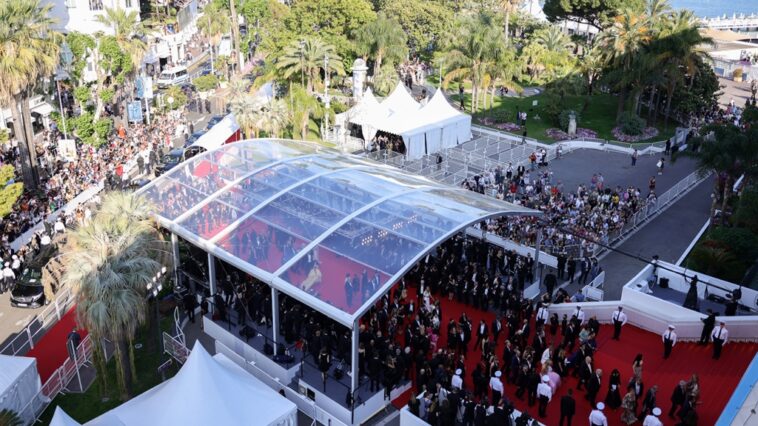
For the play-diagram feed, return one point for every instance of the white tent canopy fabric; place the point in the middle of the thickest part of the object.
(425, 129)
(19, 384)
(60, 418)
(205, 391)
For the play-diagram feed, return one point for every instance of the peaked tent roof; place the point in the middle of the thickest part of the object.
(400, 101)
(205, 391)
(60, 418)
(11, 368)
(365, 111)
(435, 113)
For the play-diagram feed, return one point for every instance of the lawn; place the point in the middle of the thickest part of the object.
(85, 407)
(600, 115)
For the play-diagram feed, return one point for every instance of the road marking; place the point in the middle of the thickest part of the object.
(24, 321)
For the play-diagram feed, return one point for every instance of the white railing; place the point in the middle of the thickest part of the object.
(653, 208)
(175, 348)
(57, 382)
(37, 327)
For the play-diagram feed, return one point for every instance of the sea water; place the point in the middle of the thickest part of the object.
(714, 8)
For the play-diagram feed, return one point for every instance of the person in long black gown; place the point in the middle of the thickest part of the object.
(613, 398)
(690, 301)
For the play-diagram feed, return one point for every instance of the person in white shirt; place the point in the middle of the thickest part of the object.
(652, 419)
(16, 264)
(619, 319)
(59, 227)
(579, 315)
(542, 315)
(457, 381)
(597, 418)
(545, 394)
(45, 240)
(9, 278)
(497, 388)
(669, 341)
(719, 335)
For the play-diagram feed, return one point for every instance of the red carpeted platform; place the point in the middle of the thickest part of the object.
(51, 350)
(718, 379)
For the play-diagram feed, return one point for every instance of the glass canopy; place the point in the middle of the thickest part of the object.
(304, 218)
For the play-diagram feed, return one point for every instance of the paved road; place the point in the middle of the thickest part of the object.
(667, 235)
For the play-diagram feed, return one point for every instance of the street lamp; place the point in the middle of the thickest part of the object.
(67, 57)
(326, 81)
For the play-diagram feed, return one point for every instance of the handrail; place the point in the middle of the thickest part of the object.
(50, 315)
(57, 382)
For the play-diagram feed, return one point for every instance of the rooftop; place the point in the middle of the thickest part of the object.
(301, 217)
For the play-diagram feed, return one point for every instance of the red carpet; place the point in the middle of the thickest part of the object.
(718, 379)
(51, 351)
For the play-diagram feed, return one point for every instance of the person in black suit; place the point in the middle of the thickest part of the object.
(496, 327)
(678, 397)
(593, 386)
(709, 323)
(568, 408)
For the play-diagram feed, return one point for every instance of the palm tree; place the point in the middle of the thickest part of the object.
(680, 48)
(28, 52)
(274, 117)
(306, 58)
(553, 39)
(382, 39)
(248, 111)
(476, 43)
(385, 80)
(128, 30)
(214, 23)
(303, 106)
(502, 71)
(508, 6)
(10, 418)
(623, 44)
(110, 262)
(729, 153)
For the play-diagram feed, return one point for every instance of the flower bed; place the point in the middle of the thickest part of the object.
(649, 132)
(560, 135)
(507, 126)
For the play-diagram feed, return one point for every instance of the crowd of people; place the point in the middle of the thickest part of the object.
(592, 211)
(407, 337)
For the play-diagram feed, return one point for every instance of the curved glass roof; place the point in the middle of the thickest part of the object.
(302, 218)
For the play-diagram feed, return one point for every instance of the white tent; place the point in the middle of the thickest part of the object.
(19, 384)
(222, 132)
(434, 127)
(206, 391)
(400, 101)
(363, 114)
(60, 418)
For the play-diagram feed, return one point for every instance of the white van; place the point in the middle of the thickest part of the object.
(176, 76)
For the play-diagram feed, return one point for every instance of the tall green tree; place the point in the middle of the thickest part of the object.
(214, 23)
(598, 13)
(474, 46)
(425, 22)
(306, 58)
(28, 53)
(128, 31)
(508, 7)
(624, 45)
(303, 107)
(109, 263)
(382, 39)
(333, 20)
(248, 111)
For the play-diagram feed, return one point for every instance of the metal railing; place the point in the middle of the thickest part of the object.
(57, 382)
(38, 326)
(651, 208)
(175, 348)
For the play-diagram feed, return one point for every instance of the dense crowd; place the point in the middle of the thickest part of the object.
(591, 211)
(406, 337)
(63, 177)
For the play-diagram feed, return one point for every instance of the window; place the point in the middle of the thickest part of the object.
(128, 4)
(95, 4)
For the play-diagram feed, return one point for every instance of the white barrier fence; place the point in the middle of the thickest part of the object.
(37, 327)
(58, 381)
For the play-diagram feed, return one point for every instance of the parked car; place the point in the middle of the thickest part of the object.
(213, 121)
(192, 138)
(29, 291)
(169, 161)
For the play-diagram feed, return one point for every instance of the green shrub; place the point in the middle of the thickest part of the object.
(747, 210)
(206, 83)
(106, 95)
(8, 197)
(9, 418)
(564, 118)
(338, 107)
(5, 135)
(632, 124)
(741, 241)
(82, 94)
